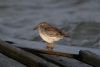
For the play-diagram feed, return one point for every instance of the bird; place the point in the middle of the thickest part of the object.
(50, 34)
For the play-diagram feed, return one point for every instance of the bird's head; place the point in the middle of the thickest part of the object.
(42, 24)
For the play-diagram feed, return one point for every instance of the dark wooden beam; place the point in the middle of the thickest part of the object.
(30, 60)
(57, 47)
(83, 56)
(49, 56)
(57, 59)
(89, 58)
(53, 59)
(49, 52)
(61, 50)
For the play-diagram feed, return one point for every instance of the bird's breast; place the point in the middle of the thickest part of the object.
(48, 38)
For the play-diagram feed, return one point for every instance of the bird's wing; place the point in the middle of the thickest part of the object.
(53, 31)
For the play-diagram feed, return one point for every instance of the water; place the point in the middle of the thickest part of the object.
(79, 17)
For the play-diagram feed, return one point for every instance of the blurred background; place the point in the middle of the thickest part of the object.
(81, 18)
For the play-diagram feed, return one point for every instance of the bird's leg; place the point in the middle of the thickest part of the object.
(49, 46)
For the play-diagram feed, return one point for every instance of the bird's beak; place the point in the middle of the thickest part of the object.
(35, 28)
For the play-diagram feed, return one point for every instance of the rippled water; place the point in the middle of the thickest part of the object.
(80, 17)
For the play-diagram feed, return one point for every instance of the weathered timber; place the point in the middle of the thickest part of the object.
(49, 52)
(40, 47)
(83, 56)
(30, 60)
(57, 48)
(89, 58)
(61, 60)
(53, 59)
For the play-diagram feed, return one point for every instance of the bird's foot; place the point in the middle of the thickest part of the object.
(50, 47)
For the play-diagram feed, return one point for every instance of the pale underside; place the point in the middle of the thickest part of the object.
(48, 38)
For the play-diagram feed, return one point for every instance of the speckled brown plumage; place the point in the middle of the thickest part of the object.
(50, 33)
